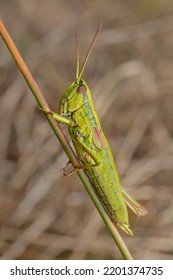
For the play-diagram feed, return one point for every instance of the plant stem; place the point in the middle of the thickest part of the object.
(65, 144)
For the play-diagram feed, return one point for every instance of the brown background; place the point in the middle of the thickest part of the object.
(44, 215)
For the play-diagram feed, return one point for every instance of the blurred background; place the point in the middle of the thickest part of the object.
(44, 215)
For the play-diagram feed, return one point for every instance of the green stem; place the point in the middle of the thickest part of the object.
(66, 146)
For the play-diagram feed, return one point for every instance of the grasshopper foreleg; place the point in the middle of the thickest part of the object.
(57, 117)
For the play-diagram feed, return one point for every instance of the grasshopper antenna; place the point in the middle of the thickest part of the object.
(77, 57)
(87, 55)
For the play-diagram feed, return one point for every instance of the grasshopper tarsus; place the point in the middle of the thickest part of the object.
(45, 111)
(71, 172)
(63, 169)
(77, 168)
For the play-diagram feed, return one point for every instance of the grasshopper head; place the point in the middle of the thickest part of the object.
(78, 92)
(74, 97)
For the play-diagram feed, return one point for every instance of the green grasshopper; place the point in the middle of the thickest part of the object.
(78, 112)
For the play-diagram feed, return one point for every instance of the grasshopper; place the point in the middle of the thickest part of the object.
(77, 110)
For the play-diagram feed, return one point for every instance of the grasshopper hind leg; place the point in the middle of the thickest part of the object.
(80, 167)
(63, 169)
(75, 169)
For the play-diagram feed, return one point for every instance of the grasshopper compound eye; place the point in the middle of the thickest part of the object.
(82, 89)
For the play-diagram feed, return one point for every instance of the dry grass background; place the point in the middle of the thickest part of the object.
(44, 215)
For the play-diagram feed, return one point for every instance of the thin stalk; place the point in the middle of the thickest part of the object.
(65, 144)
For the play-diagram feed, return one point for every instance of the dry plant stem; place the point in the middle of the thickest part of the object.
(66, 146)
